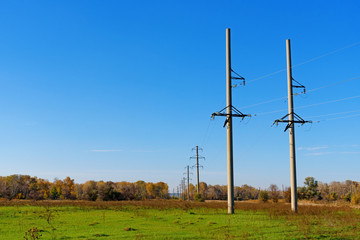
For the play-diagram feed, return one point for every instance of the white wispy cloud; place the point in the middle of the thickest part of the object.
(349, 152)
(327, 153)
(318, 153)
(144, 151)
(106, 150)
(313, 148)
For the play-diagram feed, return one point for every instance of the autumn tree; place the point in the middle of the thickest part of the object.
(67, 188)
(274, 193)
(90, 191)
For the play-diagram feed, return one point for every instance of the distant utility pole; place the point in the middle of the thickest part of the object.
(293, 118)
(197, 165)
(229, 115)
(183, 188)
(188, 182)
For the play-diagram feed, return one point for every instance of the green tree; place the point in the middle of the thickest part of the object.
(311, 188)
(54, 194)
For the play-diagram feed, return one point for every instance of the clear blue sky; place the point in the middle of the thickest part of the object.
(123, 90)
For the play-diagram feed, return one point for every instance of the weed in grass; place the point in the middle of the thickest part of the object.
(32, 234)
(139, 236)
(129, 229)
(93, 224)
(48, 215)
(103, 216)
(101, 235)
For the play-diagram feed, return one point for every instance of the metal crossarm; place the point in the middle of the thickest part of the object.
(298, 119)
(237, 77)
(224, 114)
(298, 86)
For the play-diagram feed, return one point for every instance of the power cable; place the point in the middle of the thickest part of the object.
(311, 90)
(332, 114)
(302, 63)
(350, 116)
(333, 84)
(311, 105)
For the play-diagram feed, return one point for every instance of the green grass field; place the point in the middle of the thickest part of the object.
(175, 220)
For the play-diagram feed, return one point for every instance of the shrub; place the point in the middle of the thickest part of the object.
(32, 234)
(287, 195)
(274, 193)
(355, 199)
(198, 198)
(347, 197)
(264, 196)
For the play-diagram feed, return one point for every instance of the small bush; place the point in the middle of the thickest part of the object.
(129, 229)
(287, 195)
(198, 198)
(264, 196)
(355, 199)
(32, 234)
(347, 197)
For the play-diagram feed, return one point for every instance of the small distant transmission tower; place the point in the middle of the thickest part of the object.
(229, 115)
(197, 165)
(182, 187)
(293, 118)
(188, 181)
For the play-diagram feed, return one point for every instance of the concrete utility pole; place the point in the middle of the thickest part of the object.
(292, 118)
(229, 114)
(197, 165)
(291, 130)
(197, 170)
(188, 182)
(230, 171)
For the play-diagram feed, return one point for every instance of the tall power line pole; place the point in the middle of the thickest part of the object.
(188, 182)
(197, 165)
(292, 119)
(229, 114)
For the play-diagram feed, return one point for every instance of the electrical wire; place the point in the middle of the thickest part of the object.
(333, 84)
(311, 90)
(332, 114)
(311, 105)
(332, 101)
(330, 119)
(305, 62)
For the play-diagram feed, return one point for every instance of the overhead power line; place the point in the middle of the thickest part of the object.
(332, 114)
(332, 101)
(333, 84)
(302, 63)
(311, 90)
(311, 105)
(350, 116)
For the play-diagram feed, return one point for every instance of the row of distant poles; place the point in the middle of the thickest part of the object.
(197, 165)
(230, 111)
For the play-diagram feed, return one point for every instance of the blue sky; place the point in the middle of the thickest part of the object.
(123, 90)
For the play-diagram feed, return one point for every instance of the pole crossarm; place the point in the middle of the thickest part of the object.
(297, 119)
(225, 114)
(299, 85)
(237, 77)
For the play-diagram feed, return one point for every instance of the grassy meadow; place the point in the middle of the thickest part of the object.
(173, 219)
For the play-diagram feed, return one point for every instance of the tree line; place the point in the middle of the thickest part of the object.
(312, 190)
(27, 187)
